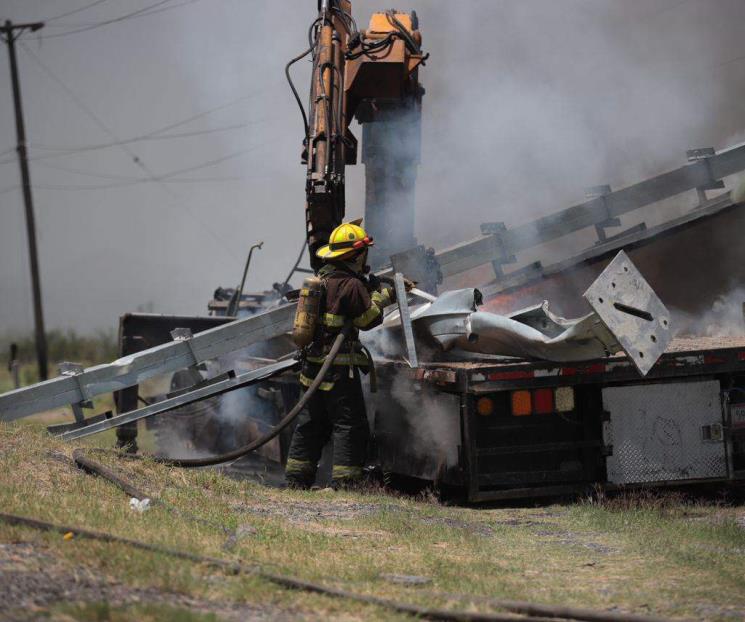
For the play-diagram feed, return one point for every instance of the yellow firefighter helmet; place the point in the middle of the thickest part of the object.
(346, 239)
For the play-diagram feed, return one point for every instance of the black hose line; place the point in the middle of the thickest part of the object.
(286, 420)
(294, 90)
(82, 461)
(91, 466)
(530, 612)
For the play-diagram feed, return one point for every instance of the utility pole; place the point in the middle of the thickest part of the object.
(12, 32)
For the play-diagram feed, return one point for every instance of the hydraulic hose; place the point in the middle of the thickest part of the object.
(286, 420)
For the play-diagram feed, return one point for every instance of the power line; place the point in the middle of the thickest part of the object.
(208, 164)
(164, 176)
(135, 158)
(80, 10)
(143, 12)
(125, 184)
(143, 138)
(204, 113)
(110, 21)
(113, 176)
(157, 134)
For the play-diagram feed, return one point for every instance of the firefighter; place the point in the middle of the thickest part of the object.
(337, 409)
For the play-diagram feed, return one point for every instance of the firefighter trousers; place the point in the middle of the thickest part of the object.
(338, 413)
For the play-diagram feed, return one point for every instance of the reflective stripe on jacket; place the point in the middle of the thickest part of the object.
(346, 298)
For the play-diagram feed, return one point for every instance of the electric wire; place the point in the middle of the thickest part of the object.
(73, 12)
(112, 176)
(125, 148)
(143, 138)
(147, 10)
(123, 184)
(154, 135)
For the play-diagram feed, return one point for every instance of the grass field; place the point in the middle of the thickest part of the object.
(649, 554)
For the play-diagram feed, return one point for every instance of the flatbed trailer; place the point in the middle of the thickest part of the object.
(508, 429)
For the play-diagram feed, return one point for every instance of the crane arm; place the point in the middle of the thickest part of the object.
(354, 72)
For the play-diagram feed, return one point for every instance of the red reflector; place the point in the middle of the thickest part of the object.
(543, 401)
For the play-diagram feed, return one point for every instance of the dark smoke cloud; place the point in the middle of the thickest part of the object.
(527, 103)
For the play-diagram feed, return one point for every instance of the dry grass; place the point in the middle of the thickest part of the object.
(665, 555)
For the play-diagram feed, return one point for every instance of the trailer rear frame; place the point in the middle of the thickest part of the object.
(541, 454)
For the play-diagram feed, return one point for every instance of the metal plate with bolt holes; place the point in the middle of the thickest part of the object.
(631, 310)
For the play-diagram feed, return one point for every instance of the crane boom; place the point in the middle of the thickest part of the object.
(368, 74)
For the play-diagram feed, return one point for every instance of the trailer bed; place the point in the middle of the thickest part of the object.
(683, 355)
(587, 423)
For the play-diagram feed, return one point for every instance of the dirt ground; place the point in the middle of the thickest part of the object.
(33, 579)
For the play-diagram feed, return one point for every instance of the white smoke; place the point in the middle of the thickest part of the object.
(435, 419)
(725, 318)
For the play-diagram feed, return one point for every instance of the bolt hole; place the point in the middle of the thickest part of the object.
(664, 322)
(600, 300)
(641, 355)
(625, 268)
(613, 285)
(653, 338)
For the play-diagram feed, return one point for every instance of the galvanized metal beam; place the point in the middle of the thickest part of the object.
(183, 399)
(628, 239)
(502, 245)
(403, 309)
(133, 369)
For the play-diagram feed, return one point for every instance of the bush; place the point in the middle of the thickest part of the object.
(100, 347)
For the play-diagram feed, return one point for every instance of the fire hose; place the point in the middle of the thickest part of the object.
(284, 422)
(532, 612)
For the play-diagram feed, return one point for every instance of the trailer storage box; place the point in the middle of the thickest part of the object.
(665, 431)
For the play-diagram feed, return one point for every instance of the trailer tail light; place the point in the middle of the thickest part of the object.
(543, 401)
(485, 406)
(564, 397)
(522, 403)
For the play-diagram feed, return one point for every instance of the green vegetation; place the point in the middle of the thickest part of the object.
(656, 554)
(62, 346)
(87, 350)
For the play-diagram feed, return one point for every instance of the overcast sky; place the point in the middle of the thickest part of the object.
(527, 103)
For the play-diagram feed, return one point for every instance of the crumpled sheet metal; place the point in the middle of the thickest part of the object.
(625, 315)
(536, 333)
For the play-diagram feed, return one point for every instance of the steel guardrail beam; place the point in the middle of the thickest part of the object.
(134, 368)
(184, 399)
(482, 250)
